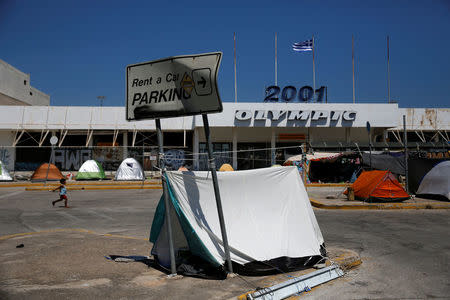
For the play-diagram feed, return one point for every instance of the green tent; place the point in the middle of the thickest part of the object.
(91, 170)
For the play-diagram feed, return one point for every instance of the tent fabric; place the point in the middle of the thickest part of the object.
(4, 174)
(378, 186)
(437, 181)
(41, 173)
(317, 156)
(267, 213)
(226, 167)
(90, 170)
(418, 168)
(395, 164)
(129, 169)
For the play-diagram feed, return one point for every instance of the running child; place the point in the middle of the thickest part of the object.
(62, 193)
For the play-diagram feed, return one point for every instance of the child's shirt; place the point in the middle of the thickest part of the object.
(62, 190)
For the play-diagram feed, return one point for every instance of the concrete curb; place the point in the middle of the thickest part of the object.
(379, 206)
(78, 183)
(328, 184)
(105, 187)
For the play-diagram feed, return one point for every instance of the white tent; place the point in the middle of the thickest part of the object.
(4, 174)
(129, 169)
(269, 220)
(436, 181)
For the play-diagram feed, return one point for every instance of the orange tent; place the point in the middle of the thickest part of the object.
(378, 186)
(41, 173)
(226, 167)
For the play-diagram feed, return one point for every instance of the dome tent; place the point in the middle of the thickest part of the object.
(378, 186)
(90, 170)
(226, 167)
(45, 171)
(129, 169)
(4, 174)
(437, 181)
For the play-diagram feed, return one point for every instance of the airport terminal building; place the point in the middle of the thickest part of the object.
(246, 134)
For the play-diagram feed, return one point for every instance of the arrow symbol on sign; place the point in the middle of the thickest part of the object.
(202, 82)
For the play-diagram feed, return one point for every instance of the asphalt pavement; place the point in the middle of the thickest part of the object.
(405, 253)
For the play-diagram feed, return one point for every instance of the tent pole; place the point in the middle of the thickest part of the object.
(173, 268)
(405, 142)
(212, 167)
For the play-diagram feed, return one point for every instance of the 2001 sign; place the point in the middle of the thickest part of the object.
(289, 93)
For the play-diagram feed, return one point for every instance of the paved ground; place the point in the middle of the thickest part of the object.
(405, 253)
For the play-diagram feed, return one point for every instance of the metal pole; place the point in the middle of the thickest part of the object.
(370, 152)
(405, 138)
(235, 79)
(314, 71)
(388, 72)
(48, 166)
(353, 67)
(212, 167)
(167, 204)
(276, 66)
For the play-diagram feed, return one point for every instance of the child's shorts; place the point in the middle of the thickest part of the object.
(63, 197)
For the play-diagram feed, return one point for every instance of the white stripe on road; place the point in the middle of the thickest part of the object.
(11, 194)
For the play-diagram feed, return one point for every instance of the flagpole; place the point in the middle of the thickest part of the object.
(388, 72)
(353, 65)
(235, 80)
(314, 70)
(276, 66)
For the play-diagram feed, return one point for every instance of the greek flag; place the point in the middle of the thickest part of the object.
(303, 46)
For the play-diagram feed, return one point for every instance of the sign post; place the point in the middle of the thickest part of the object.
(53, 141)
(405, 141)
(370, 144)
(174, 87)
(212, 167)
(167, 203)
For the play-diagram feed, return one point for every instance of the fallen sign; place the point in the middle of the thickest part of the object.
(174, 86)
(297, 285)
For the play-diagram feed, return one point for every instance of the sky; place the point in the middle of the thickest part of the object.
(78, 50)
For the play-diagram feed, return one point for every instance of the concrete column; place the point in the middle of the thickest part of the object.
(385, 136)
(272, 145)
(235, 162)
(125, 145)
(196, 148)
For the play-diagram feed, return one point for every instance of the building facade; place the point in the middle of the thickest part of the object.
(246, 135)
(16, 89)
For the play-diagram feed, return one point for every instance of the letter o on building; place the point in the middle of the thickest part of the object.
(243, 115)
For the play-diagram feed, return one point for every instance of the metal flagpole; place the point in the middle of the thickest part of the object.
(388, 72)
(314, 71)
(353, 67)
(276, 71)
(235, 80)
(212, 167)
(167, 204)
